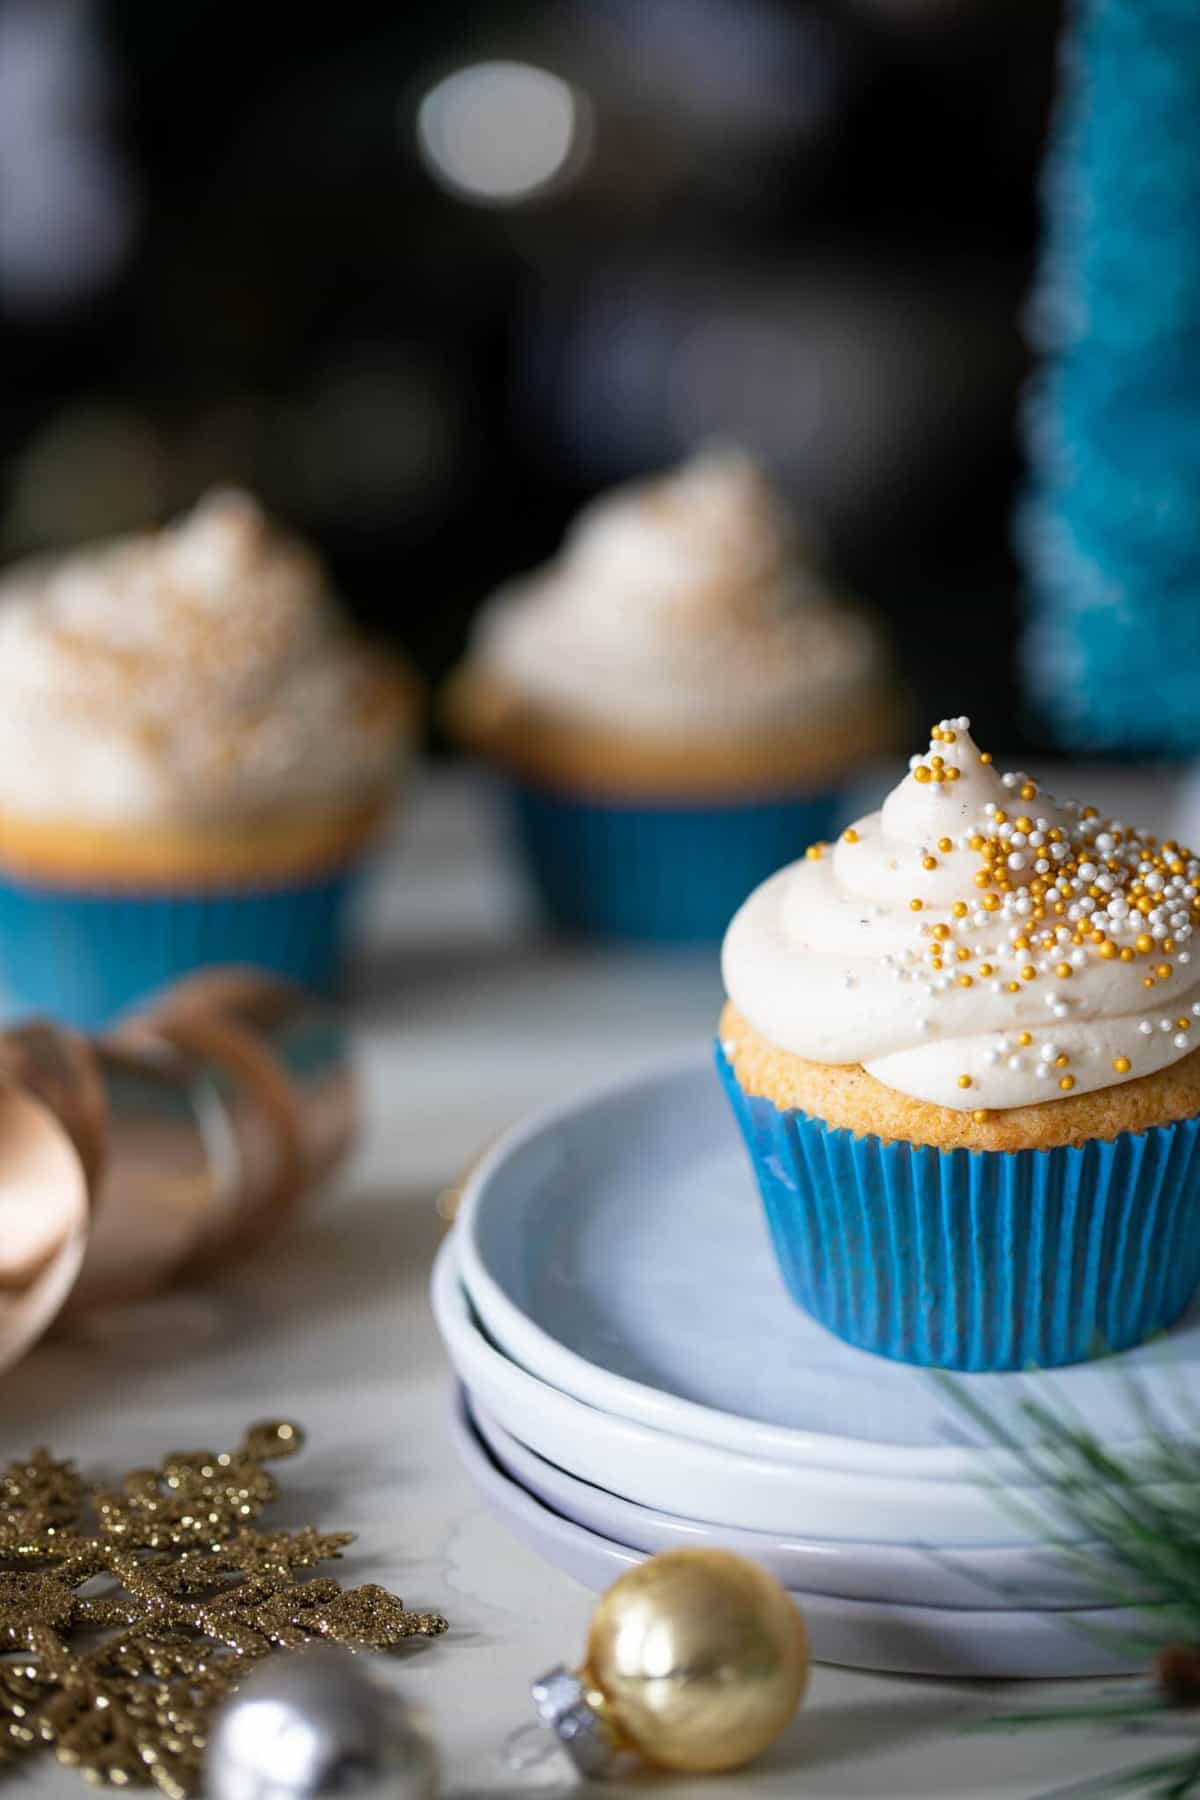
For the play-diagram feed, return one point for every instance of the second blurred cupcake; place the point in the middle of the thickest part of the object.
(193, 753)
(675, 703)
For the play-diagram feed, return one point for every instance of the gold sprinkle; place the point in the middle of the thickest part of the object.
(813, 852)
(952, 774)
(1163, 971)
(929, 862)
(1064, 971)
(915, 905)
(1121, 1064)
(1066, 1083)
(1061, 1060)
(945, 844)
(849, 836)
(965, 981)
(1144, 942)
(1028, 973)
(985, 756)
(1025, 1039)
(922, 774)
(980, 1115)
(960, 909)
(964, 1081)
(986, 969)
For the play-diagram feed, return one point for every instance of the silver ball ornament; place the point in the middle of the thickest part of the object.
(319, 1723)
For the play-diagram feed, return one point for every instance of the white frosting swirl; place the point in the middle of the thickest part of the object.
(836, 957)
(198, 670)
(681, 604)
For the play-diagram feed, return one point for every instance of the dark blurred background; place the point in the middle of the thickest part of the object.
(426, 276)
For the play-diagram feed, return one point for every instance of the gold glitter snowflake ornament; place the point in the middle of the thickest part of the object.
(127, 1614)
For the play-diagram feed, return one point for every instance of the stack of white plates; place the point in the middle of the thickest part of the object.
(634, 1378)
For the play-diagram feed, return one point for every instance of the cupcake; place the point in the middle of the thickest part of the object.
(193, 754)
(674, 704)
(959, 1043)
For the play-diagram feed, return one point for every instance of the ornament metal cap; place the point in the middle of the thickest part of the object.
(562, 1705)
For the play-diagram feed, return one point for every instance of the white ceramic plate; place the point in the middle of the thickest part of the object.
(615, 1248)
(716, 1486)
(910, 1640)
(1033, 1579)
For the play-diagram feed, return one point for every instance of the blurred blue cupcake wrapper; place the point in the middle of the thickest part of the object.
(665, 872)
(84, 956)
(979, 1260)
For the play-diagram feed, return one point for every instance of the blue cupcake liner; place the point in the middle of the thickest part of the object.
(83, 956)
(661, 872)
(979, 1259)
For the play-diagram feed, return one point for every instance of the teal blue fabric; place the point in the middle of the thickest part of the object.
(82, 958)
(976, 1260)
(658, 873)
(1110, 530)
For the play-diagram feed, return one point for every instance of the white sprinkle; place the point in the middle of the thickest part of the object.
(1041, 866)
(1010, 780)
(1185, 956)
(1048, 1052)
(1060, 1009)
(1088, 871)
(1146, 1028)
(1017, 860)
(1014, 1063)
(1181, 1040)
(1105, 842)
(1164, 1024)
(1079, 959)
(992, 1056)
(1043, 1070)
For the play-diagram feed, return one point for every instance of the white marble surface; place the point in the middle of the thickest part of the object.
(463, 1021)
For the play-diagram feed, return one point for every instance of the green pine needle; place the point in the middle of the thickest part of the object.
(1129, 1520)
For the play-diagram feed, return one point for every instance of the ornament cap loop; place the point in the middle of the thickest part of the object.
(562, 1705)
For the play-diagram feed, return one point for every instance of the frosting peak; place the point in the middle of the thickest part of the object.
(709, 542)
(976, 943)
(201, 669)
(687, 602)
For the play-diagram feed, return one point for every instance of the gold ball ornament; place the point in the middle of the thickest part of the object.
(696, 1660)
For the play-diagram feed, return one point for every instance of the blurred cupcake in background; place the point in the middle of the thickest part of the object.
(194, 751)
(675, 703)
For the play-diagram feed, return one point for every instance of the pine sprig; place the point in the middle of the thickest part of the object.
(1131, 1525)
